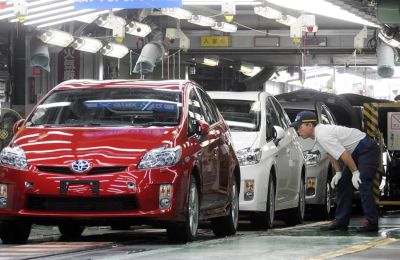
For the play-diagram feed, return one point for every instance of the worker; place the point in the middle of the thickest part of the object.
(355, 158)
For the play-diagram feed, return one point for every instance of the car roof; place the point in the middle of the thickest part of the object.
(242, 95)
(130, 83)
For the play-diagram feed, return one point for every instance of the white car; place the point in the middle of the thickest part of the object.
(271, 161)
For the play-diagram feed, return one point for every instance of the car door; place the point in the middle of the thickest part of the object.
(208, 156)
(291, 155)
(221, 149)
(281, 156)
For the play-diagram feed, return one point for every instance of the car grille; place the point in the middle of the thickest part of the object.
(94, 170)
(91, 204)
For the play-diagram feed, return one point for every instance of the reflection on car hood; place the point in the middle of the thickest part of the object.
(244, 139)
(112, 146)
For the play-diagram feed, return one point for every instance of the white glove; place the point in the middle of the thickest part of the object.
(356, 179)
(335, 179)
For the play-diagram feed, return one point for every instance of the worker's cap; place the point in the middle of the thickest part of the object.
(304, 117)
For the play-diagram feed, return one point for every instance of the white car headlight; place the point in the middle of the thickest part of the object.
(160, 157)
(312, 158)
(14, 157)
(248, 156)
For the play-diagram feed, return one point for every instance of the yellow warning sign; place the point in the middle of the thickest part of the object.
(215, 41)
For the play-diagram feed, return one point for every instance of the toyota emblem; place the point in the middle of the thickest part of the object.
(80, 166)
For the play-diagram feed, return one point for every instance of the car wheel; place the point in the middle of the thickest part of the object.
(227, 225)
(70, 230)
(15, 232)
(187, 231)
(324, 211)
(264, 220)
(296, 215)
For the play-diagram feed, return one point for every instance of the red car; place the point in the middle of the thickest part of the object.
(119, 153)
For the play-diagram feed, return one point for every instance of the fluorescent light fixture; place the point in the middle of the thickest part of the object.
(246, 68)
(87, 44)
(211, 61)
(57, 37)
(224, 27)
(85, 18)
(115, 50)
(287, 20)
(324, 8)
(213, 2)
(109, 21)
(8, 12)
(46, 13)
(201, 20)
(138, 29)
(72, 14)
(267, 12)
(177, 13)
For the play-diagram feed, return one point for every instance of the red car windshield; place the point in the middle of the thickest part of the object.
(109, 107)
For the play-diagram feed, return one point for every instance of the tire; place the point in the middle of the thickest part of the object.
(296, 215)
(264, 220)
(120, 226)
(227, 225)
(187, 231)
(15, 232)
(70, 230)
(324, 211)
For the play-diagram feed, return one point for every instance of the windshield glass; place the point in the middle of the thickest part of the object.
(109, 107)
(240, 115)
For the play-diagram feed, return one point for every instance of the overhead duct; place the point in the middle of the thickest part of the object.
(154, 50)
(39, 54)
(256, 83)
(385, 57)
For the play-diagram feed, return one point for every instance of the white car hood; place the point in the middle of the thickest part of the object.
(243, 140)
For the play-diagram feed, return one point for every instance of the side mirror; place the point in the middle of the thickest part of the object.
(278, 134)
(202, 127)
(18, 125)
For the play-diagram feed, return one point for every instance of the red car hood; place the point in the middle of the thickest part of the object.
(111, 146)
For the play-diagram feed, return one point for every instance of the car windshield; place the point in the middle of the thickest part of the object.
(109, 107)
(240, 115)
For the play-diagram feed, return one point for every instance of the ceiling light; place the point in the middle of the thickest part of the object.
(224, 27)
(324, 8)
(287, 20)
(72, 14)
(211, 61)
(267, 12)
(201, 20)
(115, 50)
(46, 13)
(138, 29)
(87, 44)
(246, 68)
(177, 13)
(56, 37)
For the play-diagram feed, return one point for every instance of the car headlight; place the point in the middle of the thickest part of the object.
(14, 157)
(160, 157)
(248, 156)
(312, 158)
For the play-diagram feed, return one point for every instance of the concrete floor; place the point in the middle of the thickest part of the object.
(300, 242)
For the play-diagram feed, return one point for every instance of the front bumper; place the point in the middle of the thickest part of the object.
(260, 176)
(129, 194)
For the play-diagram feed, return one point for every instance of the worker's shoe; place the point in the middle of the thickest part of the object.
(334, 225)
(368, 227)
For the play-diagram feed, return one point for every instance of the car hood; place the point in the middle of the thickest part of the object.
(112, 146)
(243, 140)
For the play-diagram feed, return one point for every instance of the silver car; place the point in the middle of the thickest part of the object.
(319, 195)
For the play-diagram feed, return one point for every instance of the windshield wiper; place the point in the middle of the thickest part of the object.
(156, 124)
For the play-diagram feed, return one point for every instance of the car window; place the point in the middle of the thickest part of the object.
(271, 119)
(109, 107)
(282, 117)
(195, 111)
(240, 115)
(324, 117)
(331, 118)
(211, 113)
